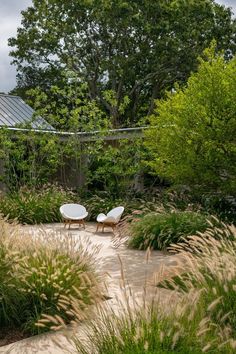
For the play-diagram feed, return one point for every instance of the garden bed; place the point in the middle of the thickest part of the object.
(46, 283)
(11, 335)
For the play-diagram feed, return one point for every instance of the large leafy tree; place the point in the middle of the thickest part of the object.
(192, 139)
(128, 52)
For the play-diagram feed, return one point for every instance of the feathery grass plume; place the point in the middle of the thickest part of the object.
(46, 280)
(35, 206)
(201, 317)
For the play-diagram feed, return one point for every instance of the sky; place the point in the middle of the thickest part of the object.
(10, 12)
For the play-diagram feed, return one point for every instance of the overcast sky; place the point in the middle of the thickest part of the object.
(10, 20)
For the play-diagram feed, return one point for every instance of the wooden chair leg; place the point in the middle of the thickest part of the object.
(103, 226)
(83, 223)
(98, 224)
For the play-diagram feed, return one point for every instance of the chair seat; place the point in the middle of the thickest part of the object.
(101, 217)
(79, 217)
(73, 213)
(111, 219)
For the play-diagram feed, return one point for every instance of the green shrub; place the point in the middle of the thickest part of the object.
(222, 206)
(158, 231)
(44, 282)
(32, 206)
(192, 137)
(218, 204)
(202, 318)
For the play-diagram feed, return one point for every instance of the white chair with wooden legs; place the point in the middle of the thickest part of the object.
(73, 214)
(111, 219)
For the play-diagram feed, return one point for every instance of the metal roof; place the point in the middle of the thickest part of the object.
(15, 112)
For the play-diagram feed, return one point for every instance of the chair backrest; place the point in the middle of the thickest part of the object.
(72, 210)
(116, 213)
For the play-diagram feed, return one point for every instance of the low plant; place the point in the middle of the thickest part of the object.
(34, 206)
(46, 281)
(211, 268)
(198, 316)
(159, 230)
(104, 202)
(223, 206)
(97, 204)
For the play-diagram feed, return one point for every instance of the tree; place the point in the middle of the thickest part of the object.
(128, 52)
(68, 107)
(192, 139)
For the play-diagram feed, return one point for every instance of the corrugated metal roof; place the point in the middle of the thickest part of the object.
(15, 112)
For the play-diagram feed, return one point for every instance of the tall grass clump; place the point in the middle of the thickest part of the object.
(159, 230)
(46, 281)
(33, 206)
(198, 316)
(211, 269)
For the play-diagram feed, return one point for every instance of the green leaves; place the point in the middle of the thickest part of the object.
(128, 53)
(194, 142)
(159, 231)
(29, 158)
(32, 206)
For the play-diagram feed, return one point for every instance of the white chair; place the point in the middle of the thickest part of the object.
(111, 219)
(73, 214)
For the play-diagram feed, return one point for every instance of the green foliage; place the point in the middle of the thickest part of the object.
(34, 158)
(113, 168)
(107, 46)
(221, 205)
(158, 231)
(100, 204)
(29, 157)
(192, 138)
(104, 202)
(31, 206)
(68, 108)
(36, 206)
(218, 204)
(45, 282)
(41, 205)
(200, 319)
(8, 291)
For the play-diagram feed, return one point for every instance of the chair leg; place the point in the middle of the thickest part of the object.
(103, 226)
(98, 224)
(83, 223)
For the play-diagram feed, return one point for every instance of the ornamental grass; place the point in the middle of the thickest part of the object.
(160, 230)
(46, 281)
(199, 315)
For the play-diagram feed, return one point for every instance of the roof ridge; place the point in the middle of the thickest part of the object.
(6, 94)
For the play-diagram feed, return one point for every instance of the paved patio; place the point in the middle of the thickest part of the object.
(123, 270)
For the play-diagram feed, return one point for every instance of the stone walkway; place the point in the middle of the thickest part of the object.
(123, 270)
